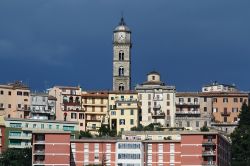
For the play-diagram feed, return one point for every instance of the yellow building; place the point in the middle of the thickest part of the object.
(15, 100)
(95, 107)
(123, 110)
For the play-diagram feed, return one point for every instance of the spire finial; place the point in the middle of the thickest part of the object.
(122, 19)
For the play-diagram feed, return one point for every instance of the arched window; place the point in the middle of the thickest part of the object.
(121, 55)
(121, 87)
(121, 71)
(71, 99)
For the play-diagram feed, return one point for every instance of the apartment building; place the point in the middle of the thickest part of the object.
(18, 132)
(193, 110)
(157, 101)
(218, 87)
(42, 106)
(48, 148)
(95, 107)
(190, 148)
(226, 109)
(123, 110)
(15, 100)
(2, 137)
(68, 104)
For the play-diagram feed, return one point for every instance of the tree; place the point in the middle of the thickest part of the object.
(16, 157)
(105, 130)
(204, 129)
(241, 139)
(85, 134)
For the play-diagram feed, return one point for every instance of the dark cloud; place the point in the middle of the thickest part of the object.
(64, 42)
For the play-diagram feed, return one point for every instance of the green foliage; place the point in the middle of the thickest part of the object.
(150, 127)
(241, 139)
(105, 130)
(204, 129)
(85, 134)
(16, 157)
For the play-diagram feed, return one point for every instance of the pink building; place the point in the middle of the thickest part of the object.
(187, 148)
(49, 148)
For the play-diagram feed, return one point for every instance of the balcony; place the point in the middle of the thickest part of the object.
(2, 108)
(22, 137)
(71, 103)
(160, 115)
(41, 111)
(225, 113)
(39, 162)
(39, 152)
(187, 112)
(209, 163)
(23, 109)
(208, 142)
(208, 153)
(182, 104)
(157, 107)
(126, 100)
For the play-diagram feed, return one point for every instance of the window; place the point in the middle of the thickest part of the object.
(168, 112)
(112, 98)
(121, 87)
(160, 157)
(19, 93)
(131, 121)
(195, 100)
(215, 109)
(168, 103)
(171, 158)
(172, 147)
(122, 121)
(131, 112)
(215, 100)
(73, 115)
(34, 125)
(180, 124)
(108, 147)
(205, 109)
(19, 105)
(113, 113)
(16, 125)
(122, 111)
(68, 128)
(81, 116)
(26, 93)
(149, 110)
(235, 100)
(189, 100)
(234, 109)
(9, 93)
(1, 92)
(188, 124)
(197, 124)
(149, 96)
(241, 100)
(57, 127)
(181, 100)
(168, 97)
(205, 99)
(42, 126)
(121, 55)
(225, 100)
(121, 71)
(235, 119)
(225, 119)
(9, 105)
(205, 123)
(153, 77)
(149, 103)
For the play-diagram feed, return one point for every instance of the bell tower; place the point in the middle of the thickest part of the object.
(121, 57)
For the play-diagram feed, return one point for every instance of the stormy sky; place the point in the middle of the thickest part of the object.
(69, 42)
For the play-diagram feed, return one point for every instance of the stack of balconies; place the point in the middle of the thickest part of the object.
(39, 150)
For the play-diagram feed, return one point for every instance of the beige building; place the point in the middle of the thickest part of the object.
(157, 101)
(68, 104)
(123, 110)
(15, 100)
(193, 110)
(95, 107)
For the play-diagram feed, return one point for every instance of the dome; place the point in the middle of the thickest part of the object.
(122, 26)
(153, 72)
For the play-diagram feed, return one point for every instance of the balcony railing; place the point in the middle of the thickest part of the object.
(71, 103)
(182, 104)
(160, 115)
(208, 142)
(208, 153)
(225, 113)
(39, 152)
(126, 101)
(23, 109)
(156, 107)
(39, 162)
(208, 163)
(40, 141)
(188, 112)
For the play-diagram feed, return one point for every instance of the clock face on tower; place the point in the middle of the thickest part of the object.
(121, 37)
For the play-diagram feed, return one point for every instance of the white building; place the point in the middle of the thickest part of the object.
(217, 87)
(129, 153)
(157, 101)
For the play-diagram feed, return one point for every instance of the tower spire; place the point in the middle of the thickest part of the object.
(122, 22)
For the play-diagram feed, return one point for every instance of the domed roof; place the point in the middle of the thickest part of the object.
(122, 26)
(153, 72)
